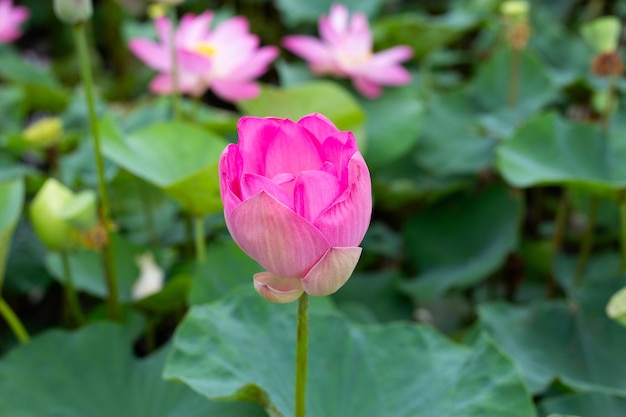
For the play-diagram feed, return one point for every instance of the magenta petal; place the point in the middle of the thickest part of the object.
(230, 169)
(193, 29)
(252, 184)
(153, 54)
(319, 126)
(256, 64)
(277, 289)
(291, 150)
(253, 133)
(313, 192)
(344, 224)
(332, 271)
(387, 75)
(276, 237)
(193, 62)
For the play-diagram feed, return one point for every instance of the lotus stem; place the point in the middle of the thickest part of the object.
(174, 62)
(70, 293)
(302, 346)
(108, 258)
(587, 243)
(14, 322)
(198, 231)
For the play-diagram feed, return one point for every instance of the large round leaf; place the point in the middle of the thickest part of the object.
(93, 373)
(393, 123)
(12, 197)
(244, 347)
(572, 340)
(549, 150)
(461, 241)
(585, 405)
(177, 157)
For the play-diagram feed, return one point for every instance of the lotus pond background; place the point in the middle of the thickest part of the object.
(496, 242)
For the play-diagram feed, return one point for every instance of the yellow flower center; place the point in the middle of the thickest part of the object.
(205, 49)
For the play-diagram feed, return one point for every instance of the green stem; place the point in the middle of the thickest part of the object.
(302, 346)
(514, 77)
(198, 232)
(174, 62)
(14, 322)
(70, 293)
(622, 217)
(108, 259)
(587, 243)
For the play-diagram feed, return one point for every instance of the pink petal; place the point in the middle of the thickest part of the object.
(277, 289)
(193, 29)
(187, 83)
(314, 191)
(162, 84)
(319, 126)
(164, 30)
(230, 30)
(256, 64)
(252, 184)
(234, 91)
(230, 169)
(312, 50)
(386, 75)
(276, 237)
(335, 25)
(360, 40)
(344, 224)
(338, 150)
(393, 55)
(366, 87)
(153, 54)
(291, 150)
(332, 271)
(193, 62)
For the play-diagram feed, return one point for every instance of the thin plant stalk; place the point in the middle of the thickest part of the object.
(588, 239)
(302, 347)
(198, 232)
(70, 292)
(148, 212)
(174, 65)
(107, 252)
(14, 322)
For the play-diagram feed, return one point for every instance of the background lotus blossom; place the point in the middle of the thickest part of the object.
(297, 199)
(345, 50)
(226, 59)
(10, 20)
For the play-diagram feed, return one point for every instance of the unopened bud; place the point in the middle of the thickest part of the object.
(515, 9)
(80, 212)
(616, 309)
(45, 214)
(602, 33)
(44, 133)
(73, 11)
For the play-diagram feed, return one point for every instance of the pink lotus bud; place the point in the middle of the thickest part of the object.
(297, 199)
(10, 20)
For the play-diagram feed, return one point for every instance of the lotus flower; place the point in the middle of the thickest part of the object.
(345, 50)
(226, 59)
(10, 20)
(297, 199)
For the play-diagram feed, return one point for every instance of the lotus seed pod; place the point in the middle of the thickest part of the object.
(515, 9)
(73, 11)
(602, 33)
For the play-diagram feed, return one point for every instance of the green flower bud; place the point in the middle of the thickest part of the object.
(602, 33)
(616, 309)
(515, 9)
(73, 11)
(46, 216)
(80, 212)
(44, 132)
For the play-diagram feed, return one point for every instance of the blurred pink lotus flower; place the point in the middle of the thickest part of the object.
(345, 50)
(10, 20)
(226, 59)
(297, 199)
